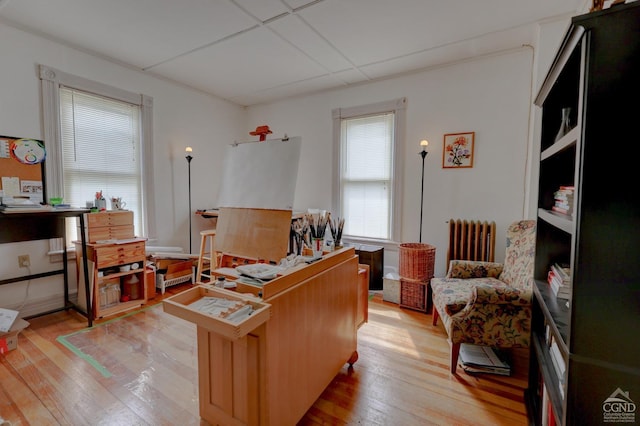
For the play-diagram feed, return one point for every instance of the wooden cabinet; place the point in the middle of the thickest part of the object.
(117, 276)
(110, 225)
(362, 314)
(116, 264)
(585, 357)
(374, 257)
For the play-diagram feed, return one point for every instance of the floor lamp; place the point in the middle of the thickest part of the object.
(189, 150)
(423, 154)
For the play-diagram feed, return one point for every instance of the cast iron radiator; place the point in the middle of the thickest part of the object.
(471, 240)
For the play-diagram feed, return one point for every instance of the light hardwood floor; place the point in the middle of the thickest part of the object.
(141, 369)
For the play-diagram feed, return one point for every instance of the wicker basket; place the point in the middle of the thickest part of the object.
(413, 294)
(416, 261)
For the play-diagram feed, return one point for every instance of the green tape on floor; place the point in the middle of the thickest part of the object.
(91, 360)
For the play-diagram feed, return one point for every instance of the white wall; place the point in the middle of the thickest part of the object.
(182, 117)
(489, 96)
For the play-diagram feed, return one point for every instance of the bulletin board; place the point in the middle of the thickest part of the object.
(31, 176)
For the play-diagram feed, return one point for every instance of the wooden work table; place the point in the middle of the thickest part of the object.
(272, 368)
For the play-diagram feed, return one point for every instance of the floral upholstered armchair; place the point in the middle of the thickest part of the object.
(487, 303)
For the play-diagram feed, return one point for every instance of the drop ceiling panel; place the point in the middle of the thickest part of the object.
(263, 9)
(299, 34)
(369, 31)
(253, 61)
(296, 4)
(351, 76)
(308, 86)
(141, 32)
(492, 43)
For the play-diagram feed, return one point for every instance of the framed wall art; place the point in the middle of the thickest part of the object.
(457, 152)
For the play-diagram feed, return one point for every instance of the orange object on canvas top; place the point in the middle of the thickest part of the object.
(261, 131)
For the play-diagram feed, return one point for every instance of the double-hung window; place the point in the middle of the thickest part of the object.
(368, 177)
(97, 139)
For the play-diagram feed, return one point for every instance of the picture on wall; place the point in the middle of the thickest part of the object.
(458, 150)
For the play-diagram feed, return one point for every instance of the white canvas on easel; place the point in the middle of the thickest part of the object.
(260, 174)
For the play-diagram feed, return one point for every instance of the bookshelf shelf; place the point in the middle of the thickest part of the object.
(565, 142)
(559, 220)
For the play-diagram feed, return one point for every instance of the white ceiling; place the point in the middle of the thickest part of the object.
(256, 51)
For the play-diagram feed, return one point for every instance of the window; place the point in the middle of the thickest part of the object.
(367, 187)
(97, 138)
(100, 150)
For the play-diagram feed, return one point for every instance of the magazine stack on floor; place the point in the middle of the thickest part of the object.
(483, 359)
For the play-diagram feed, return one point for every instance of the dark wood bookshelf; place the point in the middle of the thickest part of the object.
(596, 74)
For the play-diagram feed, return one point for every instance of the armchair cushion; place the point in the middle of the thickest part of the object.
(473, 269)
(483, 293)
(451, 295)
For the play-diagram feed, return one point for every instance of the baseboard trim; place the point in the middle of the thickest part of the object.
(44, 304)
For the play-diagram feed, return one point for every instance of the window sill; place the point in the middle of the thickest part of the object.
(55, 256)
(388, 245)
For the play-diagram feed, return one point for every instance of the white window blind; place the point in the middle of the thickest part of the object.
(101, 150)
(366, 175)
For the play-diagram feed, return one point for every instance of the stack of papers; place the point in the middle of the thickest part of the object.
(20, 204)
(7, 317)
(483, 359)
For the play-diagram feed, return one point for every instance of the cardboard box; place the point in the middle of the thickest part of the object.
(391, 289)
(9, 340)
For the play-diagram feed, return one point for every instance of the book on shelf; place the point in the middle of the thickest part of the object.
(563, 200)
(548, 415)
(562, 210)
(562, 271)
(559, 365)
(559, 280)
(557, 359)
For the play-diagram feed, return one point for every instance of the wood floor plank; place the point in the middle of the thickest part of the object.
(153, 386)
(401, 378)
(18, 400)
(67, 385)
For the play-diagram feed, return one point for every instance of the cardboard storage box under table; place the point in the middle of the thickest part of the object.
(271, 366)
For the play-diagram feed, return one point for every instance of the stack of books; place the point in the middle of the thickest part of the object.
(559, 278)
(563, 200)
(483, 359)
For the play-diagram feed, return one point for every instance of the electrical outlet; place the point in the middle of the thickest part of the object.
(24, 261)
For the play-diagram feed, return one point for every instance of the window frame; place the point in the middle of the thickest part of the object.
(51, 80)
(398, 107)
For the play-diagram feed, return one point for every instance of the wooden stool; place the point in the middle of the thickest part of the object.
(205, 255)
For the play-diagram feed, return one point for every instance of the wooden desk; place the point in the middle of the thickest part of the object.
(30, 226)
